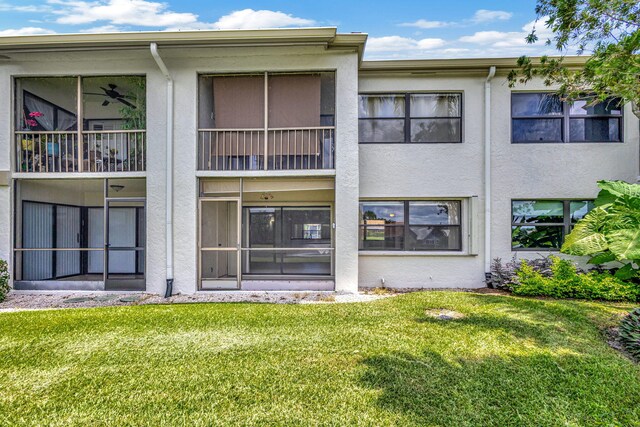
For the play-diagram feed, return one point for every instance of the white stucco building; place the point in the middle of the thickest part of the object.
(279, 159)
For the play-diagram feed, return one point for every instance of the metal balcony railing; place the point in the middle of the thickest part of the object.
(86, 151)
(273, 149)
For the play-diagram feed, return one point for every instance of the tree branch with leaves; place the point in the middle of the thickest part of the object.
(607, 30)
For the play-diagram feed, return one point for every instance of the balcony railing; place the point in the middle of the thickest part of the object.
(87, 151)
(285, 149)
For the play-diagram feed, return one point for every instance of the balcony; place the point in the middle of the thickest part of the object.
(286, 149)
(266, 122)
(76, 124)
(99, 151)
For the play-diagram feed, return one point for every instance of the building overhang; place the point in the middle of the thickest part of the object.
(323, 36)
(467, 65)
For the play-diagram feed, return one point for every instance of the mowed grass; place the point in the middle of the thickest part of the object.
(509, 361)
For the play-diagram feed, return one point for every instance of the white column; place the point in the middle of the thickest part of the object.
(6, 138)
(347, 176)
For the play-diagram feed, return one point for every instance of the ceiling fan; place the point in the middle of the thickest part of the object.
(112, 95)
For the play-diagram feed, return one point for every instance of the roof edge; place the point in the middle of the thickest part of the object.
(327, 35)
(456, 64)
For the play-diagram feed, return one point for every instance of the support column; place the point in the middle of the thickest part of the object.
(347, 176)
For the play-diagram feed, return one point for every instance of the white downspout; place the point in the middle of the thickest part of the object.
(487, 173)
(169, 168)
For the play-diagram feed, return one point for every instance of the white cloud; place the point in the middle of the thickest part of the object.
(26, 31)
(484, 15)
(499, 39)
(6, 7)
(103, 29)
(145, 13)
(426, 25)
(249, 18)
(398, 43)
(119, 12)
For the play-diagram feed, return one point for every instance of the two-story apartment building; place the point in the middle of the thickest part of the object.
(280, 160)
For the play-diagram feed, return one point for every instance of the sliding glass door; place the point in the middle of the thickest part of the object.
(124, 244)
(287, 241)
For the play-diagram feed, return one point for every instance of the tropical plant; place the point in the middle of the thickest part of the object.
(567, 281)
(611, 231)
(4, 279)
(609, 30)
(630, 333)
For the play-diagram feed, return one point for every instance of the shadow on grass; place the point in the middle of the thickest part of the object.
(537, 389)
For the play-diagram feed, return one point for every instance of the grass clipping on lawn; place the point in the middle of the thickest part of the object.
(504, 361)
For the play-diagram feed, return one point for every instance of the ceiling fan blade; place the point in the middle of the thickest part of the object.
(112, 86)
(105, 103)
(92, 93)
(125, 102)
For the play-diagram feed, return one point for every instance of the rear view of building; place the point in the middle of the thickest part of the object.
(280, 160)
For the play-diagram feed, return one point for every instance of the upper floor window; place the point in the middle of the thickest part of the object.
(416, 225)
(544, 117)
(410, 118)
(542, 224)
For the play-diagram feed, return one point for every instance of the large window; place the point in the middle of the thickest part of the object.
(287, 240)
(421, 225)
(410, 118)
(544, 117)
(542, 224)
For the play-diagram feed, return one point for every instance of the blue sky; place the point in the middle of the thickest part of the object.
(397, 29)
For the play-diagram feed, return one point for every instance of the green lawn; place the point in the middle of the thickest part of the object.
(509, 361)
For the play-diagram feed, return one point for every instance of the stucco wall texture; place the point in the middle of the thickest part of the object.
(368, 171)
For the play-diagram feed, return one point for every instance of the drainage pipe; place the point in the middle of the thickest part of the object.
(169, 169)
(487, 174)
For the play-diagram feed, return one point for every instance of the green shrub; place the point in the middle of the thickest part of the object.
(566, 281)
(4, 279)
(630, 333)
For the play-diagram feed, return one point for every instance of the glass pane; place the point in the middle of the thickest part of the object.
(263, 228)
(532, 237)
(538, 212)
(435, 130)
(306, 227)
(433, 238)
(579, 209)
(300, 262)
(381, 130)
(612, 107)
(434, 213)
(381, 106)
(595, 130)
(219, 224)
(435, 105)
(46, 104)
(381, 237)
(380, 213)
(537, 130)
(535, 104)
(114, 103)
(327, 99)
